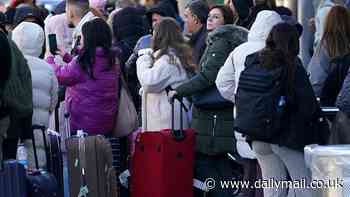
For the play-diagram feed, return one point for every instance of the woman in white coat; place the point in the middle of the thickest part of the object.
(30, 38)
(168, 64)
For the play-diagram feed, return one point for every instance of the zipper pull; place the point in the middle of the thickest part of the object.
(214, 126)
(212, 140)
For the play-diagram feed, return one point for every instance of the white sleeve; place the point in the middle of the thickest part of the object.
(154, 77)
(225, 81)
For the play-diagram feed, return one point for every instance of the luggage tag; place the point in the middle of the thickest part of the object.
(123, 178)
(83, 192)
(80, 134)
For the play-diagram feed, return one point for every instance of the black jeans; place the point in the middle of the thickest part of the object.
(218, 168)
(252, 173)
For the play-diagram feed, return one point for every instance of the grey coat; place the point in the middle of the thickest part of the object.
(319, 69)
(343, 100)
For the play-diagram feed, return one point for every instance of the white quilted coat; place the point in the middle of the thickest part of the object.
(29, 38)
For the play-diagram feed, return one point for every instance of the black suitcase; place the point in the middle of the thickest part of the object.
(12, 179)
(41, 183)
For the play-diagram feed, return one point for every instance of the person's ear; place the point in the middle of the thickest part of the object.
(196, 20)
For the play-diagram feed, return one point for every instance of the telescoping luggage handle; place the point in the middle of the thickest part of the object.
(84, 190)
(42, 129)
(67, 125)
(180, 134)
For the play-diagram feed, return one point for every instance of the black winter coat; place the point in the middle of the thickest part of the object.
(303, 111)
(338, 70)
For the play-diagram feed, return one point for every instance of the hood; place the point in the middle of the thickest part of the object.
(58, 24)
(263, 24)
(243, 7)
(129, 22)
(228, 32)
(32, 43)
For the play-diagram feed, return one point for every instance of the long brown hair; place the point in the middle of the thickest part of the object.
(336, 36)
(282, 49)
(167, 35)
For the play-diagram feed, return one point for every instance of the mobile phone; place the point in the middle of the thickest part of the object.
(53, 43)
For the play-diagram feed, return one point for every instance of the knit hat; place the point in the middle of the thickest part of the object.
(200, 9)
(25, 11)
(128, 22)
(33, 41)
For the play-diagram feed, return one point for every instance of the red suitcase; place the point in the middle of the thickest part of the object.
(163, 163)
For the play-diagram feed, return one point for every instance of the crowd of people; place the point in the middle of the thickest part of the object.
(163, 54)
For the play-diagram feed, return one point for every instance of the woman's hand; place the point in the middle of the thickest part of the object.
(61, 52)
(172, 94)
(147, 51)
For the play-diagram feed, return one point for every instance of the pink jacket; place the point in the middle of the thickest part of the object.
(92, 103)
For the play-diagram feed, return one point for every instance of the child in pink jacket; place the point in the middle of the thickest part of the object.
(91, 79)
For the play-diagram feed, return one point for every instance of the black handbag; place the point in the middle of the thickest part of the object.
(211, 99)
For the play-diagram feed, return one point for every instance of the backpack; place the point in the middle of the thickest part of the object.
(260, 105)
(338, 70)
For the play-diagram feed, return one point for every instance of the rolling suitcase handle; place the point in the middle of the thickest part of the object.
(84, 190)
(39, 183)
(67, 125)
(42, 129)
(178, 135)
(57, 124)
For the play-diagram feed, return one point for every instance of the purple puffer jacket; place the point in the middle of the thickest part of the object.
(92, 103)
